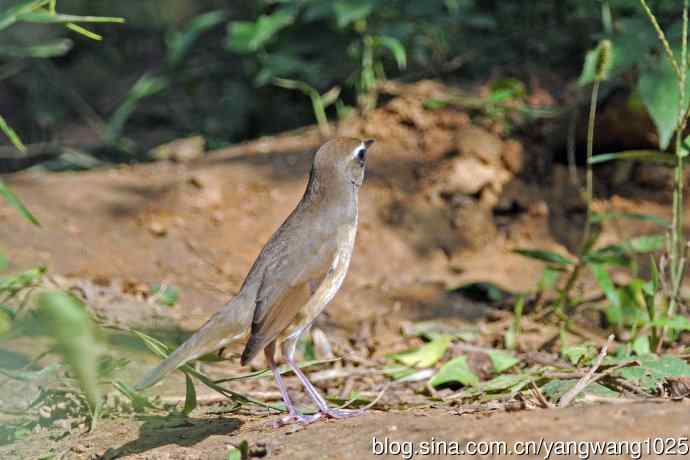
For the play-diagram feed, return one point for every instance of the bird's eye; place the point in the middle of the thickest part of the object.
(360, 154)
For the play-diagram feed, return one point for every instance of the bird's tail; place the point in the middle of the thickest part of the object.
(231, 323)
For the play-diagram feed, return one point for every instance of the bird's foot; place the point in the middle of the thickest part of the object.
(297, 418)
(342, 413)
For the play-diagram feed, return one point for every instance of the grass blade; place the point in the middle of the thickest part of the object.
(190, 396)
(544, 256)
(16, 203)
(11, 135)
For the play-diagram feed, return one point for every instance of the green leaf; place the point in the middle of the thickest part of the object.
(658, 89)
(139, 402)
(67, 321)
(606, 285)
(654, 370)
(501, 384)
(641, 345)
(49, 49)
(190, 396)
(632, 42)
(614, 259)
(30, 376)
(506, 88)
(181, 42)
(24, 279)
(16, 203)
(426, 355)
(549, 278)
(544, 256)
(154, 345)
(576, 353)
(678, 323)
(653, 156)
(234, 454)
(4, 262)
(398, 372)
(249, 37)
(45, 17)
(11, 135)
(455, 370)
(146, 86)
(502, 361)
(505, 382)
(555, 389)
(240, 452)
(638, 245)
(604, 216)
(5, 320)
(435, 104)
(169, 296)
(12, 14)
(348, 11)
(396, 48)
(590, 70)
(84, 31)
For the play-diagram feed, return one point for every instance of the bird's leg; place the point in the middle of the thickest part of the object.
(289, 347)
(293, 415)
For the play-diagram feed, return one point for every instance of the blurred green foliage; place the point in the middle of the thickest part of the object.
(215, 67)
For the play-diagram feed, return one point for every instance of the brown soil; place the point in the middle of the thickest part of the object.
(199, 226)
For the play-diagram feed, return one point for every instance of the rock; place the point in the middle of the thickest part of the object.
(437, 143)
(513, 157)
(473, 141)
(474, 226)
(209, 193)
(468, 176)
(180, 150)
(157, 228)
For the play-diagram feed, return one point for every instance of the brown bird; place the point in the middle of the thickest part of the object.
(296, 275)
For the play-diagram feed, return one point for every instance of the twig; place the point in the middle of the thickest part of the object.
(626, 385)
(570, 396)
(609, 400)
(539, 396)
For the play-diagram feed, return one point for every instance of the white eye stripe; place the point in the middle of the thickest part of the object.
(361, 148)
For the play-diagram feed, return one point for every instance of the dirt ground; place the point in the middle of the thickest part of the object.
(199, 226)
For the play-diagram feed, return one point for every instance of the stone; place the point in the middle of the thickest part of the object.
(513, 156)
(468, 176)
(473, 141)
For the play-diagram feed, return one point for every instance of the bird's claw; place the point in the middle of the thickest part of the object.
(342, 413)
(307, 419)
(297, 418)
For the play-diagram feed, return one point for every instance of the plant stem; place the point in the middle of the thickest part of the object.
(589, 182)
(662, 38)
(678, 244)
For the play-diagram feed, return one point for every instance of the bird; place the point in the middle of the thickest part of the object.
(296, 274)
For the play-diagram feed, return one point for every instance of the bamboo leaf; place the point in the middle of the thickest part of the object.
(67, 321)
(16, 203)
(606, 284)
(654, 156)
(190, 396)
(12, 14)
(46, 17)
(544, 256)
(604, 216)
(11, 135)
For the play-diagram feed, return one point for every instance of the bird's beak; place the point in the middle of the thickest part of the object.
(368, 143)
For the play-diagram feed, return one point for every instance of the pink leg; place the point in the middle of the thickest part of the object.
(289, 351)
(293, 415)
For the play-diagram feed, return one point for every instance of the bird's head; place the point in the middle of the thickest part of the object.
(342, 158)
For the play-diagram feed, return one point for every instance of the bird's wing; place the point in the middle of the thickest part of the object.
(288, 280)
